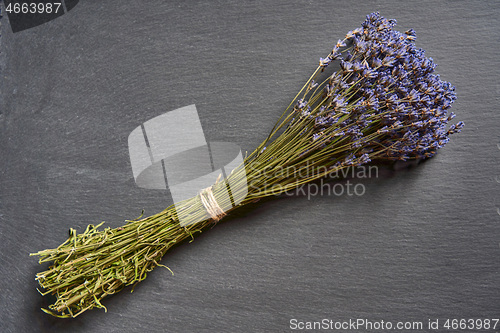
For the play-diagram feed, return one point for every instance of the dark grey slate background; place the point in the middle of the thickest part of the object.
(422, 243)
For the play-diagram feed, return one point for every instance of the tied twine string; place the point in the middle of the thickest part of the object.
(211, 206)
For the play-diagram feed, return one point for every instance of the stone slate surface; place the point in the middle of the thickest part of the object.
(421, 243)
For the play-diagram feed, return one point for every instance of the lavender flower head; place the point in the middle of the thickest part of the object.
(384, 101)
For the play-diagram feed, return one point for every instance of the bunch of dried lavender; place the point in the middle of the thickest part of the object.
(383, 102)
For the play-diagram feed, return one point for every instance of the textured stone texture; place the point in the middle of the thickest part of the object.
(422, 242)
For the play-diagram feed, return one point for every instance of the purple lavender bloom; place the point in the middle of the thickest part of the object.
(411, 35)
(323, 62)
(386, 87)
(456, 128)
(341, 133)
(340, 44)
(370, 73)
(376, 63)
(363, 159)
(388, 61)
(316, 136)
(345, 66)
(301, 104)
(349, 160)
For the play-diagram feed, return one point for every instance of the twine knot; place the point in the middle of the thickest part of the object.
(211, 206)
